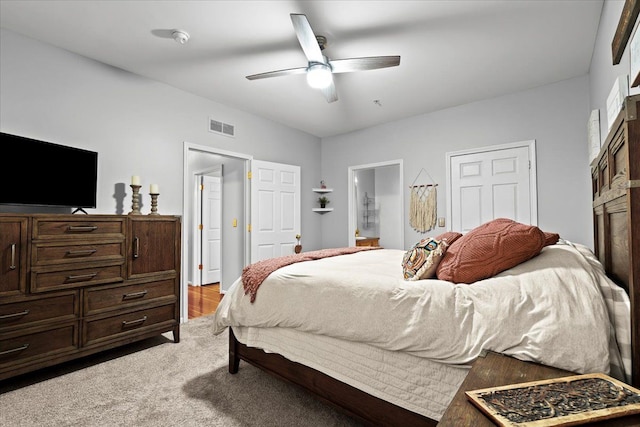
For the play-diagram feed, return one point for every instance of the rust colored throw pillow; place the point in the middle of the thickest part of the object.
(489, 249)
(449, 237)
(551, 238)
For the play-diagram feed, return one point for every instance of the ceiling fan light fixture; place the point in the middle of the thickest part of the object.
(319, 75)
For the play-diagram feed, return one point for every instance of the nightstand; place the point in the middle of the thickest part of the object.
(494, 370)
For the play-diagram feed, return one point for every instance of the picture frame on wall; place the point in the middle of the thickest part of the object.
(628, 18)
(593, 129)
(634, 58)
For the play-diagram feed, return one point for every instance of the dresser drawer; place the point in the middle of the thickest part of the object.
(73, 228)
(131, 323)
(115, 297)
(42, 281)
(51, 253)
(37, 344)
(37, 309)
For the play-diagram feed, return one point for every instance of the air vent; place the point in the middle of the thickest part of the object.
(221, 128)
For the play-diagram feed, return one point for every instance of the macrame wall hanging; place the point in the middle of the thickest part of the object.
(423, 210)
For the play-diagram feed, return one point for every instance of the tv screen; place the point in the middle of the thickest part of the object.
(42, 173)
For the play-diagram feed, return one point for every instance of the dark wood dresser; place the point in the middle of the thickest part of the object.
(73, 285)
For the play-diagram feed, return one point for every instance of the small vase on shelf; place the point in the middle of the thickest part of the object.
(323, 201)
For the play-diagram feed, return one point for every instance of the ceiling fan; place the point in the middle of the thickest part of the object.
(320, 69)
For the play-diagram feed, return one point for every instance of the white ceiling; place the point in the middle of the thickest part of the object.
(452, 52)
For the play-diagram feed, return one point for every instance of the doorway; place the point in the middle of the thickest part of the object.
(234, 236)
(376, 203)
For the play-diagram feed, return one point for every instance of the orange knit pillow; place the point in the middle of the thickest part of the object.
(489, 249)
(551, 238)
(449, 237)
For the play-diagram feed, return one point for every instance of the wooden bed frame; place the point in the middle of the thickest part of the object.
(615, 175)
(616, 210)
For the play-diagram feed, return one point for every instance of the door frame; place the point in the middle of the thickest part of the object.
(533, 187)
(186, 219)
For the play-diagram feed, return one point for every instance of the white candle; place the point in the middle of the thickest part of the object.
(154, 189)
(135, 180)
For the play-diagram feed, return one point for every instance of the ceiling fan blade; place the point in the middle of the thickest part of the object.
(330, 93)
(362, 64)
(278, 73)
(307, 38)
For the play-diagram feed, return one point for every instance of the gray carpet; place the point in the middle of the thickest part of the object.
(159, 383)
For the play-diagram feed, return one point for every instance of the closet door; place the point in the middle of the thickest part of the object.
(492, 182)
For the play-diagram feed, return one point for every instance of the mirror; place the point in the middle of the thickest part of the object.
(376, 205)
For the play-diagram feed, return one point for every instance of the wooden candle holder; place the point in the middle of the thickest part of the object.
(135, 200)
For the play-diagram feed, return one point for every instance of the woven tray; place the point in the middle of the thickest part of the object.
(573, 400)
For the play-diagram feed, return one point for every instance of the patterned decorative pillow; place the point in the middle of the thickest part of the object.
(421, 261)
(489, 249)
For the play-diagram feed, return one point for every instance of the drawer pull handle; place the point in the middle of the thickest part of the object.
(14, 350)
(83, 228)
(136, 247)
(13, 257)
(9, 316)
(134, 322)
(81, 277)
(82, 253)
(133, 295)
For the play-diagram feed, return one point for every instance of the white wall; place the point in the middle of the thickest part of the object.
(603, 73)
(137, 125)
(554, 115)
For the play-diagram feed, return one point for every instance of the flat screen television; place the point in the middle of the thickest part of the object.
(40, 173)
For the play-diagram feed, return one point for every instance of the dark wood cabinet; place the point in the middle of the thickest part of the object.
(73, 285)
(153, 250)
(13, 253)
(368, 241)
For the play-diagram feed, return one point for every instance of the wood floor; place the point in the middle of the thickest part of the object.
(203, 300)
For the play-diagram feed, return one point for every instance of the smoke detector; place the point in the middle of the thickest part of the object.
(180, 36)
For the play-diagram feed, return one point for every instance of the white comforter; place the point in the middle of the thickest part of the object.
(549, 309)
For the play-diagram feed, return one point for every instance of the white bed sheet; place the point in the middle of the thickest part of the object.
(549, 309)
(414, 383)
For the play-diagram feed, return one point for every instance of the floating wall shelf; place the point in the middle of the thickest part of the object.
(322, 191)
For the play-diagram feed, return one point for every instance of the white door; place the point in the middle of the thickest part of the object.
(211, 229)
(275, 209)
(492, 182)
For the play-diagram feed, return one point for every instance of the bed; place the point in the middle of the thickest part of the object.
(351, 329)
